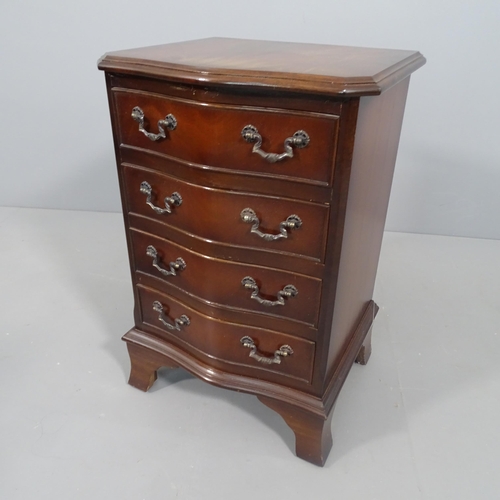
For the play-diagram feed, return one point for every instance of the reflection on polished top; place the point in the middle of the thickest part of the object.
(316, 68)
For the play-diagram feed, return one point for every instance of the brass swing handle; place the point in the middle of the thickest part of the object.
(282, 352)
(300, 140)
(288, 291)
(182, 320)
(177, 265)
(291, 222)
(169, 123)
(174, 200)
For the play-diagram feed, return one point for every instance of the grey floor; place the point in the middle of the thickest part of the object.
(420, 421)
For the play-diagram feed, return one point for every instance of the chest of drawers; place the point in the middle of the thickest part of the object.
(255, 179)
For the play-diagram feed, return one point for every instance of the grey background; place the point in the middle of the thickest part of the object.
(56, 151)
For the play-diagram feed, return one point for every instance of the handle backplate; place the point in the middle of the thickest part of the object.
(179, 322)
(282, 352)
(170, 201)
(169, 123)
(291, 222)
(299, 139)
(178, 265)
(287, 292)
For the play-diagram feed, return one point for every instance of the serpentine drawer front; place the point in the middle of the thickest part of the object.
(208, 338)
(228, 284)
(288, 143)
(255, 179)
(216, 215)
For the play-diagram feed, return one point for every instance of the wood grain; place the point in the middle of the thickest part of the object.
(373, 160)
(218, 282)
(326, 69)
(211, 338)
(214, 214)
(217, 129)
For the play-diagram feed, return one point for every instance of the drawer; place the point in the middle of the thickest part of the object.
(211, 135)
(219, 282)
(206, 336)
(216, 215)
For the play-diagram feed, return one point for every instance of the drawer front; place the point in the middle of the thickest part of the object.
(210, 134)
(219, 282)
(215, 215)
(210, 337)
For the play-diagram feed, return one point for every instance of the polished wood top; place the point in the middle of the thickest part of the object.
(326, 69)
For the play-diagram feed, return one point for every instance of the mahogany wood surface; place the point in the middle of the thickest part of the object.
(236, 180)
(216, 373)
(338, 185)
(325, 69)
(200, 92)
(366, 350)
(210, 337)
(306, 410)
(219, 142)
(313, 433)
(219, 281)
(216, 214)
(372, 166)
(268, 321)
(144, 366)
(279, 260)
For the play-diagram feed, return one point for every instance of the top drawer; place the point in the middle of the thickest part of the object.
(211, 135)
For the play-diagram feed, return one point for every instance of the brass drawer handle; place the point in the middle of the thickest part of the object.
(174, 200)
(169, 123)
(250, 217)
(177, 265)
(300, 140)
(288, 291)
(182, 320)
(282, 352)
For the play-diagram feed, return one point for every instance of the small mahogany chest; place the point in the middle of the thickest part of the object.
(255, 179)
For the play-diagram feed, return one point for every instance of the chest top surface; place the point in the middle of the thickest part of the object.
(326, 69)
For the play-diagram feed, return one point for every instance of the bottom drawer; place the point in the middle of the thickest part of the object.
(261, 350)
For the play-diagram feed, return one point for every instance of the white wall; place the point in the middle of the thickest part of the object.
(55, 136)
